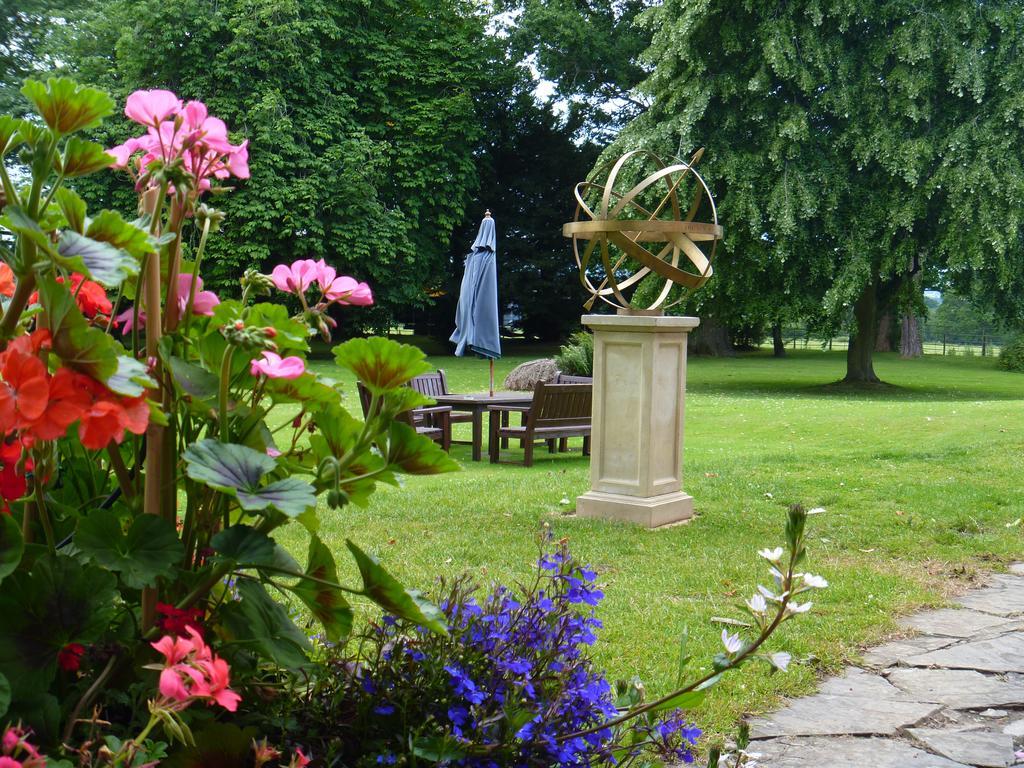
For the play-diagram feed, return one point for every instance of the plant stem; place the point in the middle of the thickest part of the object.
(195, 273)
(225, 385)
(124, 478)
(88, 696)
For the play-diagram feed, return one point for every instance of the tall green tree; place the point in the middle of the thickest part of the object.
(361, 118)
(849, 141)
(590, 51)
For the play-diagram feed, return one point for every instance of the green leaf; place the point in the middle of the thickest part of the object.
(290, 496)
(226, 466)
(247, 547)
(12, 545)
(385, 590)
(259, 623)
(438, 749)
(64, 106)
(131, 378)
(306, 388)
(193, 380)
(18, 221)
(291, 334)
(83, 157)
(5, 696)
(148, 550)
(687, 700)
(112, 228)
(77, 343)
(95, 259)
(415, 454)
(73, 208)
(381, 364)
(60, 601)
(10, 133)
(237, 470)
(325, 602)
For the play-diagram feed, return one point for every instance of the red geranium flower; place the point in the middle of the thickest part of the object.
(69, 658)
(68, 399)
(7, 283)
(25, 389)
(91, 297)
(176, 621)
(12, 482)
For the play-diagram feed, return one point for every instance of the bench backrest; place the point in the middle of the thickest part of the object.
(565, 378)
(561, 405)
(430, 384)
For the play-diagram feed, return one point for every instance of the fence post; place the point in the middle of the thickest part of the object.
(943, 345)
(984, 344)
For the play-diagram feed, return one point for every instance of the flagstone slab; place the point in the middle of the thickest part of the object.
(1004, 599)
(896, 651)
(987, 749)
(846, 752)
(826, 714)
(959, 688)
(952, 622)
(858, 683)
(1000, 654)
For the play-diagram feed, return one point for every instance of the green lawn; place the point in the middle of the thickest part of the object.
(921, 482)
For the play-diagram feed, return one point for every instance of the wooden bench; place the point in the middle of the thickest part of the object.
(430, 421)
(435, 384)
(558, 412)
(565, 378)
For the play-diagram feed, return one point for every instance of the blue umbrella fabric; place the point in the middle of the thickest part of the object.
(476, 319)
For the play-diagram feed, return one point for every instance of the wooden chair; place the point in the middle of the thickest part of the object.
(431, 421)
(435, 384)
(565, 378)
(558, 411)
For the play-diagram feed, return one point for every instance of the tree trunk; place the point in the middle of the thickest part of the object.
(910, 337)
(778, 343)
(859, 368)
(711, 338)
(883, 340)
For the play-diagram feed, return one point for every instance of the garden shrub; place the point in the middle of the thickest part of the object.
(576, 358)
(1011, 357)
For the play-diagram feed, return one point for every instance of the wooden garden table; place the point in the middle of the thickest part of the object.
(477, 405)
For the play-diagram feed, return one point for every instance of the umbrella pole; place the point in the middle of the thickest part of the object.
(492, 376)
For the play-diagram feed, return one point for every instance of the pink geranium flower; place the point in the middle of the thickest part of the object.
(192, 672)
(347, 290)
(204, 301)
(274, 367)
(152, 107)
(17, 752)
(296, 277)
(193, 136)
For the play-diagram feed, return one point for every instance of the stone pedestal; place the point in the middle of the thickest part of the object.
(637, 438)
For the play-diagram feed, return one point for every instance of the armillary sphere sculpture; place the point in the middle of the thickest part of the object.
(623, 222)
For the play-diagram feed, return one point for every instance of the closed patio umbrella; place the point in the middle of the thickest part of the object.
(476, 318)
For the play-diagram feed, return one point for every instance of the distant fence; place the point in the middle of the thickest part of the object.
(984, 345)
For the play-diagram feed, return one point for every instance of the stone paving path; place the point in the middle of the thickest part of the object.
(951, 696)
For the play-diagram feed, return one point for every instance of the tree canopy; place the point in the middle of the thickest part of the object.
(362, 121)
(849, 144)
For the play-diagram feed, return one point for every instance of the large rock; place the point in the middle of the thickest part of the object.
(524, 377)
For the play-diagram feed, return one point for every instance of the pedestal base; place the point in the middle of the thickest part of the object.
(649, 511)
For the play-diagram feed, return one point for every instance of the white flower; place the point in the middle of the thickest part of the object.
(781, 660)
(793, 608)
(816, 511)
(732, 643)
(768, 593)
(771, 555)
(817, 582)
(757, 604)
(768, 495)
